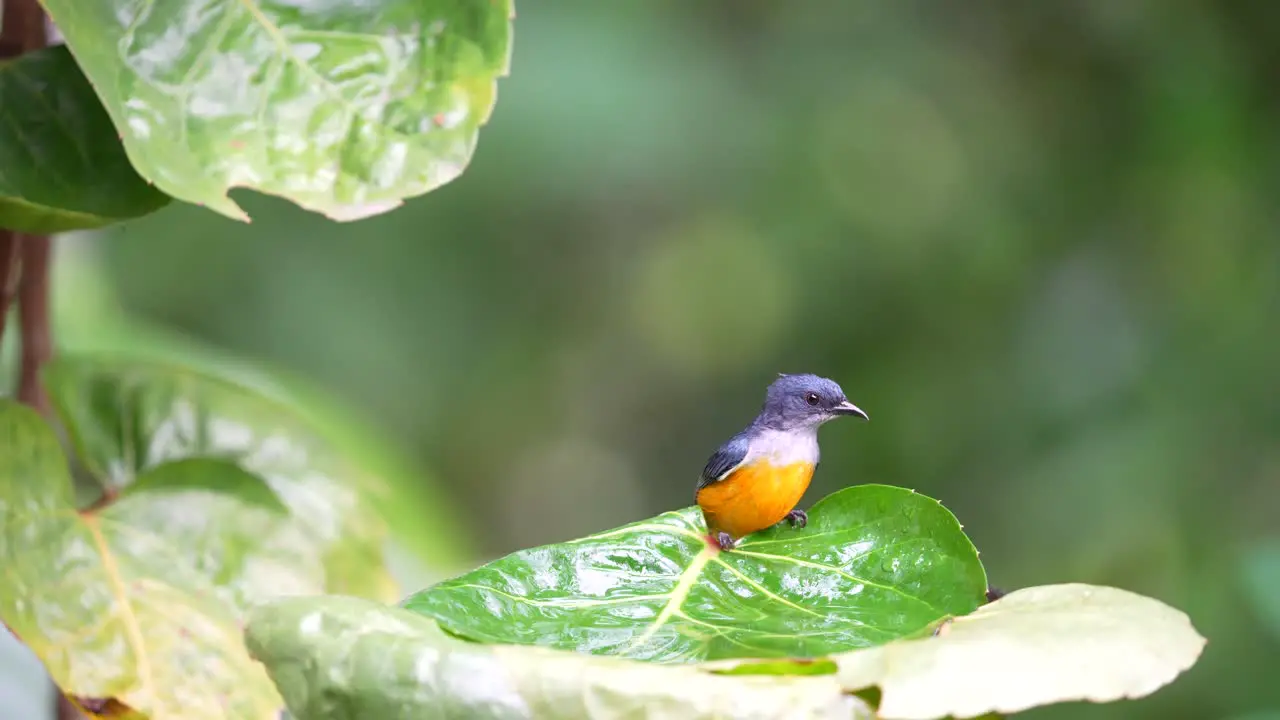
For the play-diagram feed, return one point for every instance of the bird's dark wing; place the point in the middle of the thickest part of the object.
(729, 456)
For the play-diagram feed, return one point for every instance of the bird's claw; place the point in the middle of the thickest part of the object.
(725, 541)
(798, 518)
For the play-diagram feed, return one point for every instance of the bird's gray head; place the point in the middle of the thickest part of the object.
(795, 402)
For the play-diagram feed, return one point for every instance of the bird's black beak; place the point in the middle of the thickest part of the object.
(848, 408)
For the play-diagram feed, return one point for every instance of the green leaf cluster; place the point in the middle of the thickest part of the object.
(192, 499)
(204, 554)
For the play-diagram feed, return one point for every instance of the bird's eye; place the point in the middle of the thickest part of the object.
(812, 398)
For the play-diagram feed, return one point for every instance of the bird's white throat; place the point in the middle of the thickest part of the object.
(784, 447)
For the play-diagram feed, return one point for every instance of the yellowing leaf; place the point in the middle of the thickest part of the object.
(112, 609)
(221, 499)
(1034, 646)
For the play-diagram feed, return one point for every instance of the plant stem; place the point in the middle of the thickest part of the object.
(24, 259)
(33, 313)
(9, 268)
(19, 24)
(23, 30)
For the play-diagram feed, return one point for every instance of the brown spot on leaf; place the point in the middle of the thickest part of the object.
(109, 495)
(102, 708)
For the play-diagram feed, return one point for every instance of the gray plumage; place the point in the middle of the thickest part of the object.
(729, 456)
(788, 402)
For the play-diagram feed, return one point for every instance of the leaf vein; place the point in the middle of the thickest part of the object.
(764, 590)
(131, 628)
(571, 604)
(838, 571)
(679, 594)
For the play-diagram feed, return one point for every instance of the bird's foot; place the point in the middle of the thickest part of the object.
(725, 541)
(797, 518)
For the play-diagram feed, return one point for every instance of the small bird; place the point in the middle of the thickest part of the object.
(756, 479)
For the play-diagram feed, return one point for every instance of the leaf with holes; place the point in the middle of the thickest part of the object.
(344, 108)
(220, 500)
(875, 563)
(336, 658)
(62, 166)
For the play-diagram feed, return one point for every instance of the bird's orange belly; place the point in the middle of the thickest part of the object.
(754, 497)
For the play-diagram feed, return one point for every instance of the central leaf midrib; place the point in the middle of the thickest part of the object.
(131, 627)
(679, 594)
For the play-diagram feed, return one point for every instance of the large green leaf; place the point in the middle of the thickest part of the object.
(117, 606)
(130, 418)
(875, 563)
(62, 166)
(343, 108)
(1035, 646)
(336, 658)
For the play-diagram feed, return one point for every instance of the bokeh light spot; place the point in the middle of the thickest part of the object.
(712, 296)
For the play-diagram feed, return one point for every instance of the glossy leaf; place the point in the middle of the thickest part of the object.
(116, 607)
(62, 166)
(875, 563)
(336, 658)
(130, 420)
(345, 109)
(1035, 646)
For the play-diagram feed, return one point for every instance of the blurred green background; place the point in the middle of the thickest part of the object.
(1035, 241)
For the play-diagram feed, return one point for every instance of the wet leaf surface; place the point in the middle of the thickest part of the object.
(1035, 646)
(875, 563)
(62, 166)
(336, 658)
(345, 109)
